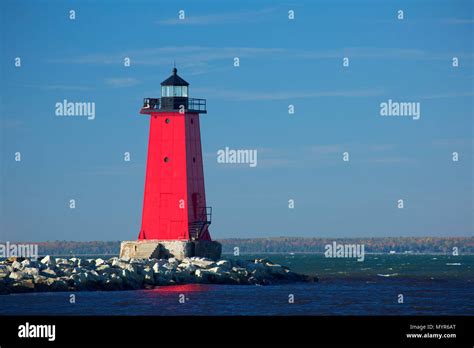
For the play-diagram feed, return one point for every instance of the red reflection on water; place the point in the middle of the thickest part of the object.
(178, 288)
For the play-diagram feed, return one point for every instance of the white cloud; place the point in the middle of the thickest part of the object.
(221, 18)
(458, 94)
(8, 124)
(454, 143)
(326, 149)
(458, 21)
(195, 60)
(122, 81)
(237, 95)
(323, 155)
(390, 160)
(57, 87)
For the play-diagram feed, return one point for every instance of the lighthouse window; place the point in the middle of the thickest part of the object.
(192, 121)
(194, 159)
(167, 120)
(167, 91)
(174, 91)
(166, 159)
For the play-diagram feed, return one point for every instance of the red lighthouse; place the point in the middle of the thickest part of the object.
(174, 205)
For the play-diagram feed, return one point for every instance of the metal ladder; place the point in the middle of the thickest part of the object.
(197, 227)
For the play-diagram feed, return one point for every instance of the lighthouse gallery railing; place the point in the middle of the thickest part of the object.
(189, 104)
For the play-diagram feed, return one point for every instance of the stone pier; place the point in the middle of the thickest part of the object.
(164, 249)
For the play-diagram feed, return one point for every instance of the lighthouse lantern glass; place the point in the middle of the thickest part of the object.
(174, 91)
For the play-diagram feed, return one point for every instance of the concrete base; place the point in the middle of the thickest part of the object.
(164, 249)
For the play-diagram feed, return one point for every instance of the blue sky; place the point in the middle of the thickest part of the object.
(282, 62)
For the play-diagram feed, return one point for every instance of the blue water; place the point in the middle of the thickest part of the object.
(430, 284)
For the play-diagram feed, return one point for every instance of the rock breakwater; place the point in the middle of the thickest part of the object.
(77, 274)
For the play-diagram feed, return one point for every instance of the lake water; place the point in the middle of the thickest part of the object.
(430, 285)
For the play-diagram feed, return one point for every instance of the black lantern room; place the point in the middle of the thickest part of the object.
(174, 97)
(174, 86)
(174, 92)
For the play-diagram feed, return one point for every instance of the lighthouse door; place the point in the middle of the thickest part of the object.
(196, 201)
(165, 199)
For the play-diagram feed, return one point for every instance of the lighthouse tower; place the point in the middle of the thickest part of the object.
(175, 217)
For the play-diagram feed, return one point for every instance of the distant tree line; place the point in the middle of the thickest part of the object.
(375, 245)
(71, 248)
(465, 245)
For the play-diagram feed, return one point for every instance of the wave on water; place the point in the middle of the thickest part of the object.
(453, 264)
(387, 275)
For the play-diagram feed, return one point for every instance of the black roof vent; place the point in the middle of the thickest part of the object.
(174, 80)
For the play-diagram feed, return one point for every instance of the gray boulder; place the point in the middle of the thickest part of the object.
(99, 262)
(184, 278)
(225, 264)
(173, 260)
(131, 279)
(275, 269)
(56, 284)
(115, 262)
(112, 260)
(74, 261)
(85, 263)
(260, 273)
(202, 262)
(48, 261)
(4, 271)
(80, 280)
(217, 270)
(16, 275)
(113, 283)
(158, 266)
(17, 265)
(31, 271)
(41, 283)
(95, 277)
(103, 268)
(48, 272)
(137, 261)
(24, 285)
(171, 266)
(148, 275)
(27, 262)
(62, 262)
(187, 268)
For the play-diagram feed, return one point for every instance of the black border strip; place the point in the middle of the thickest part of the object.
(241, 330)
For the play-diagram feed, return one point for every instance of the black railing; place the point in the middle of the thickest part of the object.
(151, 103)
(175, 103)
(197, 227)
(195, 104)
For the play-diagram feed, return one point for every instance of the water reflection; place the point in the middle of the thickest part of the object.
(178, 289)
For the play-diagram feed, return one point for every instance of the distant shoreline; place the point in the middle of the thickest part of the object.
(283, 245)
(261, 253)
